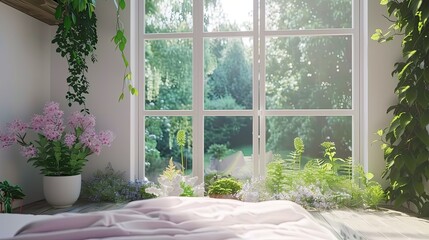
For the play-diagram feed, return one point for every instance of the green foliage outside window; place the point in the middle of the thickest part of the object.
(294, 77)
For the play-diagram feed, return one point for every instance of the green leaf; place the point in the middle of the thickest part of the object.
(422, 157)
(410, 53)
(424, 119)
(420, 189)
(400, 200)
(423, 136)
(404, 69)
(396, 121)
(411, 95)
(59, 12)
(384, 2)
(425, 14)
(121, 97)
(424, 211)
(122, 4)
(134, 92)
(410, 164)
(375, 36)
(380, 132)
(426, 74)
(118, 37)
(415, 5)
(122, 45)
(398, 132)
(67, 22)
(73, 17)
(369, 176)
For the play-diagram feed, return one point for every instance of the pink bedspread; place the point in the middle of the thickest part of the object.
(183, 218)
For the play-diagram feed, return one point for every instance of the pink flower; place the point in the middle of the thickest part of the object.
(77, 119)
(96, 147)
(69, 139)
(88, 121)
(51, 108)
(37, 123)
(106, 137)
(7, 140)
(52, 132)
(50, 125)
(17, 127)
(90, 139)
(28, 151)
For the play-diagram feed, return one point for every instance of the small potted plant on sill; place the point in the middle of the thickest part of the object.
(225, 188)
(9, 193)
(60, 154)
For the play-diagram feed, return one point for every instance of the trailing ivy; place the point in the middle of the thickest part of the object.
(406, 140)
(76, 39)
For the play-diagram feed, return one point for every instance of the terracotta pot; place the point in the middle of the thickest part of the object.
(61, 191)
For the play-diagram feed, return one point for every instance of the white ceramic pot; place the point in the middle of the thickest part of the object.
(61, 191)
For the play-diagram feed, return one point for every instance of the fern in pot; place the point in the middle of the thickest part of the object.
(60, 154)
(225, 188)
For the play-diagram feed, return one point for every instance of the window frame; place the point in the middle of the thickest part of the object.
(259, 113)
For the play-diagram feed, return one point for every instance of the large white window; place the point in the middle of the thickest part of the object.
(242, 79)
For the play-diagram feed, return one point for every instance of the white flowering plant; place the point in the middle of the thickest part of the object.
(172, 182)
(55, 151)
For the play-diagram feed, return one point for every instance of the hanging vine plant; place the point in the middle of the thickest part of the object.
(406, 140)
(76, 39)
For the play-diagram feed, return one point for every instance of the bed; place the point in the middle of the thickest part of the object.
(180, 218)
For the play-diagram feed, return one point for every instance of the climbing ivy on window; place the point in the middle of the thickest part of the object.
(406, 139)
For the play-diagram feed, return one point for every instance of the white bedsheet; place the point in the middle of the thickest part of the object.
(182, 218)
(11, 223)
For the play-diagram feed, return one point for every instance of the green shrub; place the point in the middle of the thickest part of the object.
(373, 195)
(225, 186)
(323, 183)
(210, 178)
(218, 151)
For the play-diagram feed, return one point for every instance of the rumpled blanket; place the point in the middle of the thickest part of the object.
(183, 218)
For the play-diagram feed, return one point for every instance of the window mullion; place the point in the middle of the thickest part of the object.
(255, 90)
(198, 91)
(262, 98)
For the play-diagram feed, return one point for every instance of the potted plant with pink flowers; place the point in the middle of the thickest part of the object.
(60, 154)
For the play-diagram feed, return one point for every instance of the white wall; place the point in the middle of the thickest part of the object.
(105, 77)
(32, 73)
(24, 88)
(381, 85)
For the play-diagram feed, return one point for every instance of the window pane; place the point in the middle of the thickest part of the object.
(308, 14)
(161, 144)
(168, 74)
(228, 15)
(228, 73)
(309, 72)
(281, 132)
(228, 146)
(165, 16)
